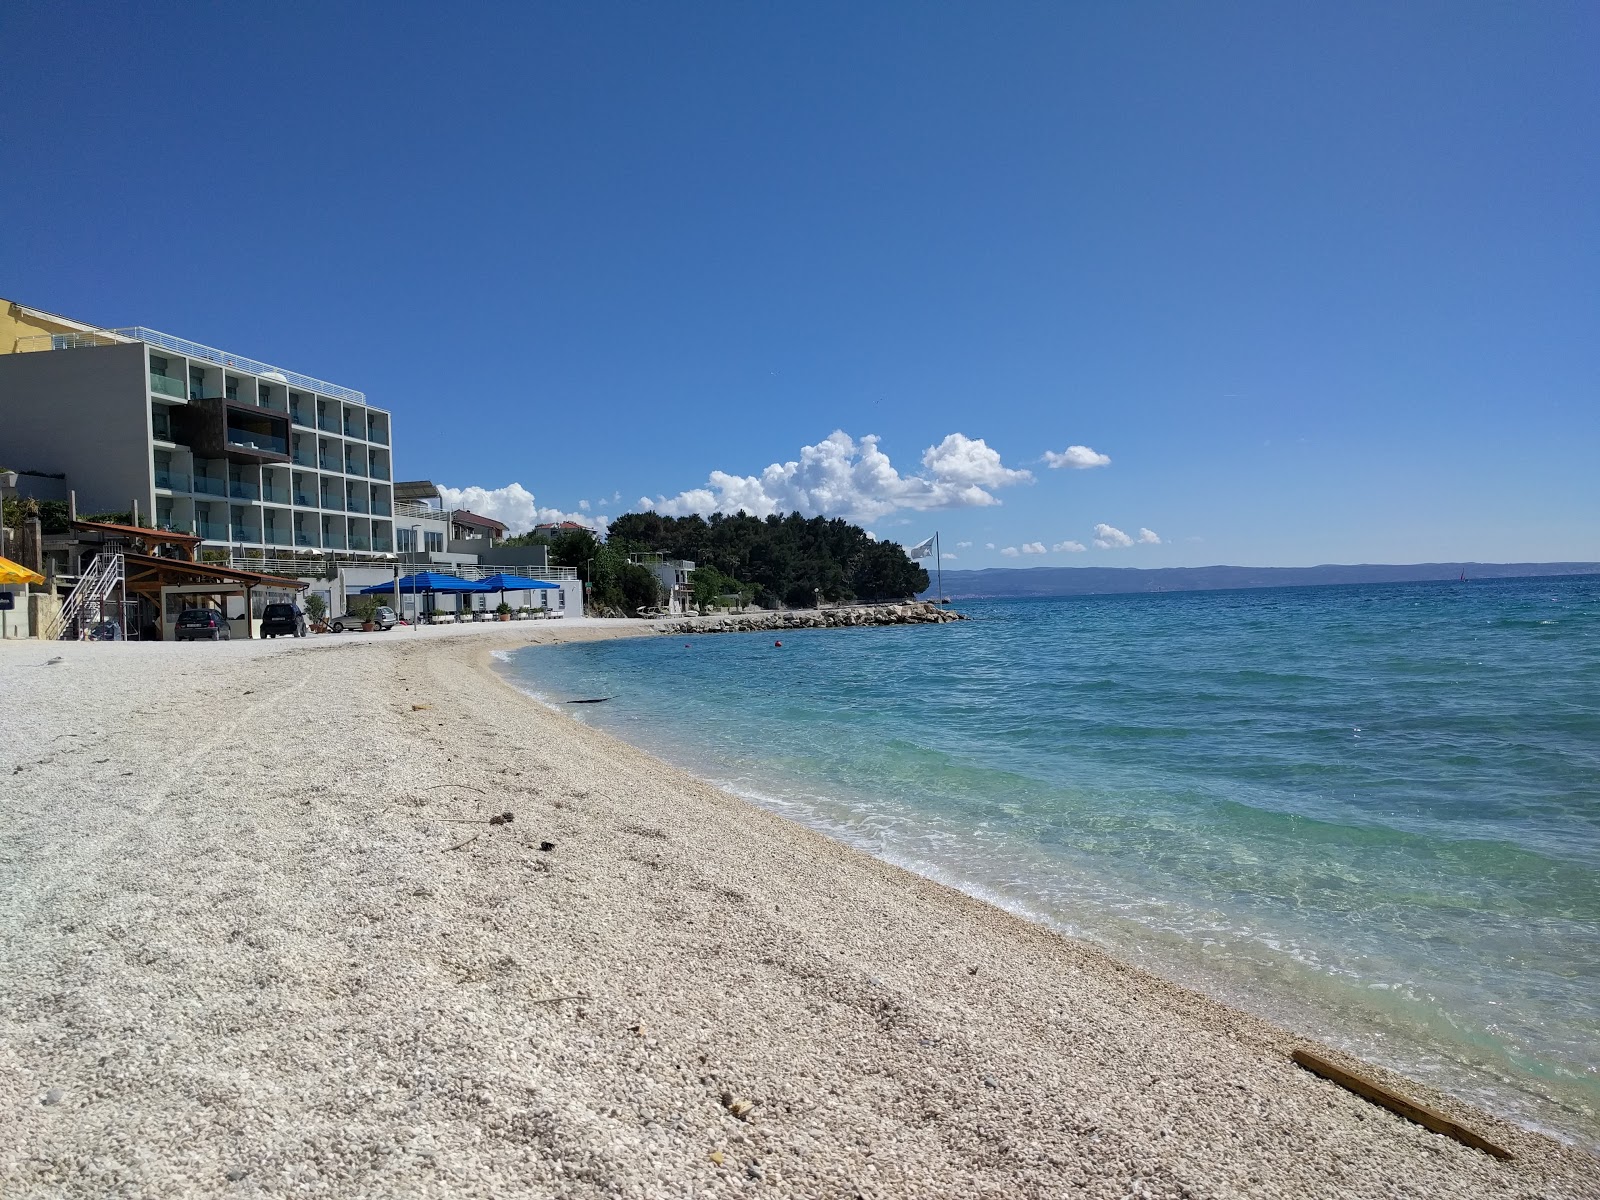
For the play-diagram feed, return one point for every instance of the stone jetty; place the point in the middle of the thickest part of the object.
(908, 612)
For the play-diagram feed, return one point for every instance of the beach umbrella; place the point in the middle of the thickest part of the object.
(425, 582)
(11, 572)
(504, 583)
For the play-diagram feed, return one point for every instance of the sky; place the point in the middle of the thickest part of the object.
(1144, 284)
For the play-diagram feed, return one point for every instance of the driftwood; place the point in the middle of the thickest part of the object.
(596, 700)
(468, 842)
(1411, 1110)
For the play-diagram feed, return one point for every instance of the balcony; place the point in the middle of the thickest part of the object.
(257, 440)
(212, 530)
(276, 537)
(173, 481)
(304, 458)
(300, 418)
(243, 491)
(160, 427)
(166, 386)
(302, 500)
(333, 541)
(380, 508)
(350, 431)
(352, 467)
(359, 541)
(382, 545)
(377, 434)
(327, 423)
(356, 504)
(273, 494)
(379, 471)
(208, 486)
(301, 538)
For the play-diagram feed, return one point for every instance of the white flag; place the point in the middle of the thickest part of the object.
(921, 550)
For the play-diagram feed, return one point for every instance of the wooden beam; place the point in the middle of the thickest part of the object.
(1411, 1110)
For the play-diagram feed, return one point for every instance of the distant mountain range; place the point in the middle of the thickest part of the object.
(999, 582)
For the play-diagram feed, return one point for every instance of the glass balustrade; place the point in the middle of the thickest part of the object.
(300, 418)
(379, 471)
(210, 487)
(360, 542)
(356, 504)
(352, 467)
(302, 538)
(273, 494)
(214, 530)
(248, 439)
(243, 491)
(304, 501)
(173, 481)
(165, 386)
(382, 544)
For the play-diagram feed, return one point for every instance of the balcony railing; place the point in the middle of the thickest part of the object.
(382, 545)
(245, 533)
(302, 500)
(302, 538)
(380, 508)
(167, 386)
(243, 491)
(328, 464)
(273, 494)
(264, 442)
(377, 434)
(173, 481)
(213, 530)
(379, 471)
(352, 467)
(160, 428)
(300, 418)
(328, 424)
(304, 459)
(350, 431)
(278, 538)
(210, 487)
(333, 541)
(355, 504)
(360, 542)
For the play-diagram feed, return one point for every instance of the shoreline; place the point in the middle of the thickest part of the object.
(406, 1030)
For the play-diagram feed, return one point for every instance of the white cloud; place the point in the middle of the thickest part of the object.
(514, 505)
(988, 545)
(584, 505)
(1078, 458)
(1108, 537)
(948, 557)
(841, 477)
(616, 497)
(963, 545)
(1068, 547)
(1011, 552)
(1033, 548)
(1149, 537)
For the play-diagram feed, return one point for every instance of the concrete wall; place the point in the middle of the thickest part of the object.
(85, 412)
(535, 557)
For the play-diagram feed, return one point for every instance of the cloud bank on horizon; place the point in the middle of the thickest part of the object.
(843, 477)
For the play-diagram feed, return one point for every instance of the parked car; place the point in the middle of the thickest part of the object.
(383, 618)
(201, 625)
(279, 620)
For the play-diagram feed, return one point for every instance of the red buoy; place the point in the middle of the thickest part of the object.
(777, 645)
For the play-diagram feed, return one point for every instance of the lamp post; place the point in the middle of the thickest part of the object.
(416, 596)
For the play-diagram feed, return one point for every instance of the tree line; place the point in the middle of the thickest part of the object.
(774, 561)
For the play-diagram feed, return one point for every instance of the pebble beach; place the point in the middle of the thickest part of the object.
(258, 937)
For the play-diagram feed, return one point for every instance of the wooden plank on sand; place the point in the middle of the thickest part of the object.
(1411, 1110)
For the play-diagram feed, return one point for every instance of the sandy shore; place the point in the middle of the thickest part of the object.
(246, 953)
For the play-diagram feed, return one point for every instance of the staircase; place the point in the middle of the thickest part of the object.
(86, 605)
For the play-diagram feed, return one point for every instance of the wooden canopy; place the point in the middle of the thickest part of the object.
(139, 534)
(146, 576)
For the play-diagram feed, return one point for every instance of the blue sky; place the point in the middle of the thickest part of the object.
(1319, 280)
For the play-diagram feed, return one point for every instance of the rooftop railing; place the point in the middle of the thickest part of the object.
(138, 333)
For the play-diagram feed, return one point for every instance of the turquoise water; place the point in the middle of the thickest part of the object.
(1371, 813)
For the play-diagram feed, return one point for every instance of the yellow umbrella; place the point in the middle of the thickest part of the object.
(11, 572)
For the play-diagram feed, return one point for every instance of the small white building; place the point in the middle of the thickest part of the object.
(673, 576)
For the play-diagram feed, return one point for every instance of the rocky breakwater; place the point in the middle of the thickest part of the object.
(909, 612)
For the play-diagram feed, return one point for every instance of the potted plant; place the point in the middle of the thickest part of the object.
(365, 607)
(503, 611)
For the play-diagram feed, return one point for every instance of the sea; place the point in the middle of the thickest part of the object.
(1368, 813)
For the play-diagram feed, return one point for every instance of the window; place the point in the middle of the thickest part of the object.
(404, 542)
(433, 543)
(158, 365)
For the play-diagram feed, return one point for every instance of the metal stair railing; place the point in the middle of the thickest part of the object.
(95, 586)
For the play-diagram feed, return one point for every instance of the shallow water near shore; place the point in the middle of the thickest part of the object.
(1369, 813)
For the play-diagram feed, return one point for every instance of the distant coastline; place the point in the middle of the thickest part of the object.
(1016, 582)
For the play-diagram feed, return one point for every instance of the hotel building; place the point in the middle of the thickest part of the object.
(257, 460)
